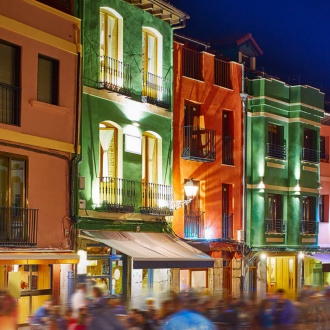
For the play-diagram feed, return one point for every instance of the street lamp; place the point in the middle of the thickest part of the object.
(190, 191)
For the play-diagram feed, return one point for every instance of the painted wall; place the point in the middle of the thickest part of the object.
(324, 230)
(48, 129)
(213, 100)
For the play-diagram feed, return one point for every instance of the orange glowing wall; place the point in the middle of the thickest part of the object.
(213, 101)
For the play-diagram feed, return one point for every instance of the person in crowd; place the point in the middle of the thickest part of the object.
(284, 312)
(118, 306)
(43, 313)
(79, 299)
(264, 315)
(8, 311)
(185, 318)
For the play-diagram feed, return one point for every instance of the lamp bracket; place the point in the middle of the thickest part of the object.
(179, 203)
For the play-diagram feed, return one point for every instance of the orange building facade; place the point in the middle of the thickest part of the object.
(39, 70)
(208, 148)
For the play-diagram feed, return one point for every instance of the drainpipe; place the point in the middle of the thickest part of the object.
(244, 131)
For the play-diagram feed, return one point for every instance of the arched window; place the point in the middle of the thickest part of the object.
(111, 47)
(152, 54)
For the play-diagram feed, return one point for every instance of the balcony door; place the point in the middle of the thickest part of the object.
(227, 216)
(150, 169)
(227, 138)
(12, 196)
(274, 214)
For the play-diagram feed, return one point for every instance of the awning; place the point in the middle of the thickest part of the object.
(152, 250)
(325, 260)
(37, 258)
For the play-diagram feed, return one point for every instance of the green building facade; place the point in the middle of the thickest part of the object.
(282, 182)
(125, 170)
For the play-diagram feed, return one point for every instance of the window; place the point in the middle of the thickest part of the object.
(149, 158)
(191, 64)
(12, 181)
(108, 150)
(324, 156)
(154, 86)
(274, 218)
(309, 151)
(227, 138)
(10, 92)
(227, 212)
(308, 215)
(48, 80)
(222, 73)
(324, 208)
(276, 143)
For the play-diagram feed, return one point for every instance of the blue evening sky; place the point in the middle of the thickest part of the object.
(293, 34)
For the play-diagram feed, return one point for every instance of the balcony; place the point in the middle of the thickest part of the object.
(309, 227)
(18, 227)
(129, 196)
(227, 225)
(310, 155)
(10, 104)
(191, 64)
(115, 76)
(156, 90)
(274, 226)
(194, 224)
(276, 151)
(198, 144)
(222, 73)
(228, 150)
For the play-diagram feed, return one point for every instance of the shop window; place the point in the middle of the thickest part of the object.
(48, 80)
(106, 269)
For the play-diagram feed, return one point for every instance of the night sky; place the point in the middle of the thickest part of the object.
(293, 34)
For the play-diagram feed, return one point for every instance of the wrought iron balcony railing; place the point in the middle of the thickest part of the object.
(191, 64)
(228, 150)
(275, 226)
(198, 144)
(227, 225)
(310, 227)
(194, 225)
(276, 151)
(115, 76)
(128, 196)
(310, 155)
(10, 104)
(222, 73)
(18, 226)
(156, 90)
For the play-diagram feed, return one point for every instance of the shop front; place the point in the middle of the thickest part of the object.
(34, 277)
(135, 265)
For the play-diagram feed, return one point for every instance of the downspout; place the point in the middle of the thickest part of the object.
(244, 123)
(244, 266)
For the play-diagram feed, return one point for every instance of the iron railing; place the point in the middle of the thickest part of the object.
(156, 90)
(310, 155)
(18, 226)
(227, 225)
(194, 224)
(127, 196)
(309, 227)
(275, 226)
(115, 76)
(228, 150)
(10, 104)
(276, 151)
(222, 73)
(198, 144)
(191, 64)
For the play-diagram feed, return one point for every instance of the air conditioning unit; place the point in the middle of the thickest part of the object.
(241, 235)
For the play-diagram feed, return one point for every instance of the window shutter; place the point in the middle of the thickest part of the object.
(7, 64)
(47, 80)
(151, 54)
(102, 34)
(113, 37)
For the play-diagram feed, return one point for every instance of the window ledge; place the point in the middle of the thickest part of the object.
(50, 107)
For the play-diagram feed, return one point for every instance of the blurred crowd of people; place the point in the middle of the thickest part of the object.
(184, 311)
